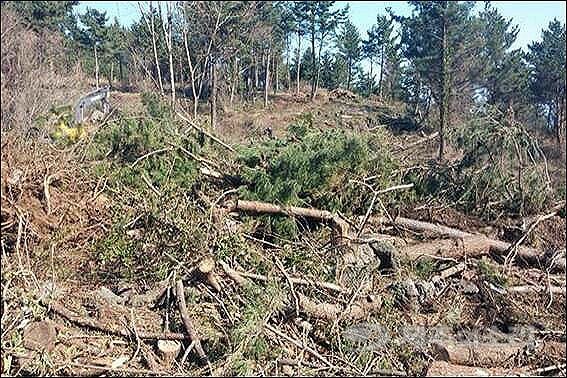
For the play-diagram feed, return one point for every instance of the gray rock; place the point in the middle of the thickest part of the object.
(468, 287)
(108, 296)
(387, 254)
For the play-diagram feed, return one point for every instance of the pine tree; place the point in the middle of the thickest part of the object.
(349, 46)
(506, 75)
(320, 22)
(381, 36)
(547, 59)
(95, 35)
(441, 39)
(54, 15)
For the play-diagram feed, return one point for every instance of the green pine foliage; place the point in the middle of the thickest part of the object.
(168, 211)
(313, 168)
(501, 170)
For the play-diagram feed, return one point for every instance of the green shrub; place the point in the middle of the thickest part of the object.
(156, 106)
(501, 170)
(313, 168)
(170, 220)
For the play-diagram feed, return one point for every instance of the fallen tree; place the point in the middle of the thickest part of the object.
(527, 255)
(338, 224)
(466, 244)
(471, 246)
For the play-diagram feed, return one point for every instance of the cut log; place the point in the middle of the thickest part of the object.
(40, 336)
(447, 369)
(480, 355)
(536, 289)
(207, 269)
(338, 224)
(492, 354)
(471, 246)
(526, 254)
(329, 311)
(471, 243)
(169, 349)
(269, 208)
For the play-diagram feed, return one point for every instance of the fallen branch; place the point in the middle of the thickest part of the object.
(102, 369)
(512, 250)
(238, 277)
(180, 294)
(298, 344)
(199, 129)
(148, 155)
(99, 326)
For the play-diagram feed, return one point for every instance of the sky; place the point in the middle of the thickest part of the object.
(531, 16)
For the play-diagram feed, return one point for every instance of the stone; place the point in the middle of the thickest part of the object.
(109, 297)
(468, 287)
(387, 254)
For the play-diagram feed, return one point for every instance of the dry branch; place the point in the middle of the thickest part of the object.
(199, 129)
(99, 326)
(238, 277)
(180, 294)
(420, 141)
(332, 312)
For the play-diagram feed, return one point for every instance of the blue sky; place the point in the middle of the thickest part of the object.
(531, 16)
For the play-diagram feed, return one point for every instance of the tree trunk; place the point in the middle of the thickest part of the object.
(154, 46)
(167, 33)
(444, 96)
(318, 76)
(234, 80)
(380, 81)
(313, 64)
(96, 67)
(120, 71)
(298, 68)
(267, 79)
(276, 67)
(256, 75)
(370, 79)
(213, 95)
(193, 79)
(349, 73)
(111, 79)
(288, 68)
